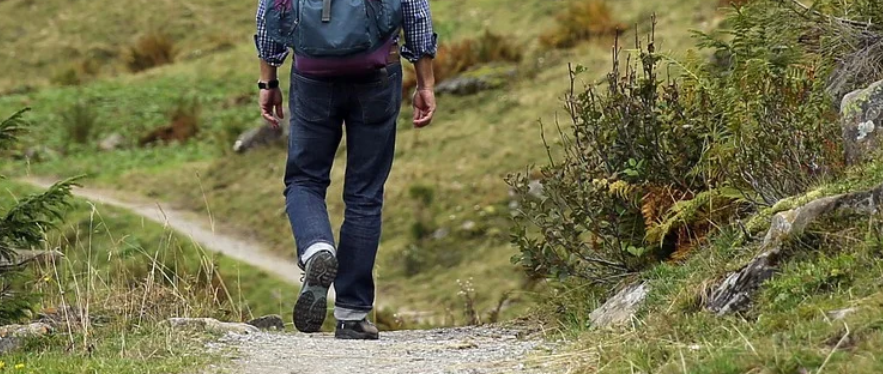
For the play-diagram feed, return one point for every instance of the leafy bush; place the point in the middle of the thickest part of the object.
(581, 20)
(456, 58)
(21, 227)
(151, 50)
(651, 166)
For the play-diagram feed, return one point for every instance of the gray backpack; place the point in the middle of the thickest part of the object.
(335, 37)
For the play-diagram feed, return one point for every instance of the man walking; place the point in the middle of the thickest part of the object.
(347, 76)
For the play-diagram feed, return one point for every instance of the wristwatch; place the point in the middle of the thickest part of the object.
(268, 85)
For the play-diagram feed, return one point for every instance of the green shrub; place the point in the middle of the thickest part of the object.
(22, 227)
(650, 167)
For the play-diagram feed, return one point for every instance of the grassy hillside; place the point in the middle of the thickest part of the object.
(113, 249)
(462, 159)
(790, 328)
(128, 275)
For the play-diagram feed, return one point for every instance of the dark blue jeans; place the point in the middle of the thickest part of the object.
(366, 107)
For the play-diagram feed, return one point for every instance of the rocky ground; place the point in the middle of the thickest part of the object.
(467, 350)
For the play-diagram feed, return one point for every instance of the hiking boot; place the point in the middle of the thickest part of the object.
(312, 303)
(356, 330)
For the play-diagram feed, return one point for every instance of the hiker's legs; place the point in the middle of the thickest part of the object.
(370, 135)
(313, 141)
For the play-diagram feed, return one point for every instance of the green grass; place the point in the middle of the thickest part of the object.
(474, 143)
(836, 265)
(132, 275)
(132, 349)
(107, 250)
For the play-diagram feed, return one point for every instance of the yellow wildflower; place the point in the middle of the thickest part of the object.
(2, 365)
(19, 366)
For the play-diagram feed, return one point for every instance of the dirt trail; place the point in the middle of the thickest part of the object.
(193, 226)
(466, 350)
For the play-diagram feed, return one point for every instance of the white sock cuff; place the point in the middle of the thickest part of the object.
(347, 314)
(316, 248)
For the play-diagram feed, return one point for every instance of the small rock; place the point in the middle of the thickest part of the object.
(38, 154)
(462, 86)
(211, 325)
(621, 308)
(463, 345)
(25, 331)
(272, 322)
(840, 314)
(468, 225)
(861, 115)
(441, 233)
(257, 137)
(471, 82)
(111, 142)
(11, 336)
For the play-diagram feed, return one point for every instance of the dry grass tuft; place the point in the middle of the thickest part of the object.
(184, 125)
(582, 20)
(151, 50)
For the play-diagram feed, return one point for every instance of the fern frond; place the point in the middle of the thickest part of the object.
(687, 212)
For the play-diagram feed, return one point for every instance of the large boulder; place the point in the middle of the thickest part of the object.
(862, 122)
(258, 137)
(112, 142)
(735, 293)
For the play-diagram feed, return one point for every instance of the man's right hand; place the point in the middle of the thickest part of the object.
(271, 100)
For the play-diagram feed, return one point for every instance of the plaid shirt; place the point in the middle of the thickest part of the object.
(420, 40)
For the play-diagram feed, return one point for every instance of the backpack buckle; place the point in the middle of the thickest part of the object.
(326, 11)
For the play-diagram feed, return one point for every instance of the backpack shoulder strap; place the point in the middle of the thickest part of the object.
(326, 11)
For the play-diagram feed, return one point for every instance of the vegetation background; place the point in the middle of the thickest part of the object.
(706, 114)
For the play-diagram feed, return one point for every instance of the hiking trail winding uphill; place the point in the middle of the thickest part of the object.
(193, 226)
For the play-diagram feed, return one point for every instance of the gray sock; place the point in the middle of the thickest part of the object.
(316, 248)
(346, 314)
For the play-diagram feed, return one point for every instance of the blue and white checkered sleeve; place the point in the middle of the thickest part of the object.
(420, 39)
(268, 50)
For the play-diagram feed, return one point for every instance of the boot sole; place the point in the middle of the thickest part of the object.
(312, 303)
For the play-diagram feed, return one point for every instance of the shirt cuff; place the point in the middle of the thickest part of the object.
(429, 50)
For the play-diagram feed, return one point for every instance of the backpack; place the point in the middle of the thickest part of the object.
(335, 37)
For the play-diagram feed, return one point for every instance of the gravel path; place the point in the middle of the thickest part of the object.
(468, 350)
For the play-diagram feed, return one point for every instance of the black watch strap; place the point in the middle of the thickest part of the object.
(269, 85)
